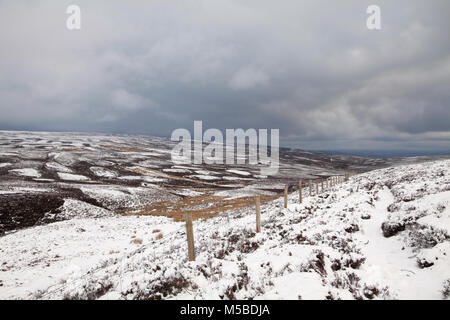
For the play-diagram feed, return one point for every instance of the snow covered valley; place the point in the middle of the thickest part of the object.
(384, 234)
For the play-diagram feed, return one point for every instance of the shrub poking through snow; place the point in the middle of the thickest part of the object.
(392, 228)
(90, 291)
(317, 263)
(425, 236)
(424, 263)
(241, 242)
(352, 228)
(242, 281)
(163, 287)
(446, 289)
(136, 241)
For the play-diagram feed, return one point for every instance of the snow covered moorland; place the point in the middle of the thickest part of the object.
(384, 234)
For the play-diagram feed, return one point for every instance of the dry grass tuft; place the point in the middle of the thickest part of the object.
(136, 241)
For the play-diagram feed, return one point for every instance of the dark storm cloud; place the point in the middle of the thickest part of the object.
(310, 68)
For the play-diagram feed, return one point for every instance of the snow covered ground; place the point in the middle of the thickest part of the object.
(384, 234)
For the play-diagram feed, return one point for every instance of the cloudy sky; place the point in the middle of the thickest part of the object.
(310, 68)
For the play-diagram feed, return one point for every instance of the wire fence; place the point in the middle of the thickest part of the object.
(321, 185)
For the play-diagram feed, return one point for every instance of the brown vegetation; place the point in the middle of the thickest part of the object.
(201, 207)
(125, 149)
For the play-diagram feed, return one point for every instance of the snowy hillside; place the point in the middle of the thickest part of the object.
(384, 234)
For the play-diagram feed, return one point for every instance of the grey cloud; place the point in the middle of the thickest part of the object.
(310, 68)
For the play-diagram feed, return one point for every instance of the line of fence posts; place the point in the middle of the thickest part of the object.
(330, 182)
(258, 214)
(300, 195)
(285, 195)
(190, 235)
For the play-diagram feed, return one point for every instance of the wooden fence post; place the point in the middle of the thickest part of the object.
(300, 195)
(310, 187)
(285, 196)
(317, 188)
(328, 186)
(190, 235)
(321, 181)
(258, 214)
